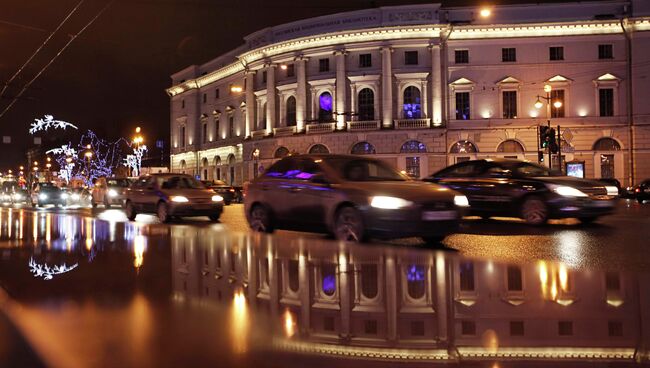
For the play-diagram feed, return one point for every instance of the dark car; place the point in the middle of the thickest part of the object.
(613, 183)
(352, 198)
(503, 187)
(172, 195)
(47, 193)
(642, 191)
(223, 189)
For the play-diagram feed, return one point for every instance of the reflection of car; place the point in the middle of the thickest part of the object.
(170, 195)
(76, 197)
(223, 189)
(642, 191)
(504, 187)
(47, 193)
(110, 191)
(351, 197)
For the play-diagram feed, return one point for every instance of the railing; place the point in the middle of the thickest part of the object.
(284, 131)
(360, 126)
(320, 128)
(412, 123)
(258, 134)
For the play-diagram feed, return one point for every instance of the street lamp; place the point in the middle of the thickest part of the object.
(557, 104)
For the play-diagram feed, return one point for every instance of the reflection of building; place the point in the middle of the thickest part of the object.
(370, 302)
(422, 87)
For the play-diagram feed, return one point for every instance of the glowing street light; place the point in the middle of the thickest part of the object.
(236, 89)
(538, 104)
(485, 12)
(557, 104)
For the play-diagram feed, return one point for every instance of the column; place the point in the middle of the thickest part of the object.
(400, 101)
(436, 86)
(250, 102)
(301, 93)
(314, 104)
(305, 301)
(391, 298)
(270, 98)
(353, 102)
(344, 294)
(423, 88)
(386, 88)
(340, 89)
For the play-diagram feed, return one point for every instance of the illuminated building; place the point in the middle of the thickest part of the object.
(422, 87)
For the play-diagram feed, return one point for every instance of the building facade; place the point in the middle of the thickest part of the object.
(423, 87)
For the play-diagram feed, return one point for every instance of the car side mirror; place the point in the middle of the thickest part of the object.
(319, 179)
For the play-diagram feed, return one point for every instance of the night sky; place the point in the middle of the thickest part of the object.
(112, 78)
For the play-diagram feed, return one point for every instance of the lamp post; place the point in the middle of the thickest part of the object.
(538, 105)
(138, 151)
(88, 154)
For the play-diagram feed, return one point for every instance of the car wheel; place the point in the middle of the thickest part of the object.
(348, 225)
(163, 213)
(130, 211)
(588, 220)
(534, 211)
(260, 219)
(214, 217)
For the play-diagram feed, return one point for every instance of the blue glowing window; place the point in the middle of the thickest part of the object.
(415, 277)
(325, 104)
(412, 103)
(328, 274)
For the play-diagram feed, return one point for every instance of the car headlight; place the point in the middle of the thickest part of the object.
(389, 203)
(179, 199)
(42, 196)
(63, 195)
(112, 193)
(461, 201)
(565, 191)
(217, 198)
(611, 190)
(75, 197)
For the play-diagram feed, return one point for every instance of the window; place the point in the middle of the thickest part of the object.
(468, 328)
(556, 53)
(467, 276)
(615, 328)
(365, 170)
(509, 54)
(325, 106)
(509, 104)
(366, 104)
(291, 70)
(182, 136)
(514, 279)
(264, 76)
(231, 127)
(363, 148)
(369, 277)
(557, 95)
(606, 144)
(205, 97)
(606, 99)
(413, 146)
(262, 121)
(292, 271)
(291, 111)
(415, 277)
(365, 60)
(607, 166)
(216, 93)
(328, 278)
(182, 104)
(410, 58)
(460, 170)
(516, 328)
(205, 132)
(324, 65)
(605, 52)
(510, 146)
(463, 147)
(412, 104)
(281, 152)
(216, 127)
(462, 106)
(318, 149)
(461, 56)
(565, 328)
(413, 167)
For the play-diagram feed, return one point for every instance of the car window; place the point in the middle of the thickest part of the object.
(461, 170)
(118, 183)
(495, 171)
(308, 169)
(284, 168)
(366, 170)
(527, 170)
(179, 182)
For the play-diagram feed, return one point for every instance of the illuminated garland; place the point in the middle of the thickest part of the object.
(134, 161)
(47, 272)
(47, 123)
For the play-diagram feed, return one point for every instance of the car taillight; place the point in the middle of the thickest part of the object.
(232, 190)
(637, 190)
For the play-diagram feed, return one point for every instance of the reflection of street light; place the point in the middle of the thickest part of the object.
(485, 12)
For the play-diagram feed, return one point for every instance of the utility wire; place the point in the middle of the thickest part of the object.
(72, 38)
(40, 48)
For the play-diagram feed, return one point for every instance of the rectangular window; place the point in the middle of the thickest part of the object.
(461, 56)
(216, 128)
(607, 166)
(264, 76)
(514, 279)
(606, 99)
(205, 97)
(182, 104)
(462, 106)
(324, 65)
(509, 104)
(605, 51)
(205, 132)
(365, 60)
(410, 58)
(565, 328)
(516, 328)
(615, 328)
(508, 54)
(231, 127)
(467, 276)
(557, 95)
(468, 328)
(291, 70)
(556, 53)
(413, 167)
(216, 93)
(182, 134)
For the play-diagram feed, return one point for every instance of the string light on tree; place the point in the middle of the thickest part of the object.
(48, 122)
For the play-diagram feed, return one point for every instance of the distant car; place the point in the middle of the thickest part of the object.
(47, 193)
(77, 197)
(220, 187)
(19, 196)
(351, 197)
(642, 191)
(502, 187)
(110, 191)
(172, 195)
(612, 182)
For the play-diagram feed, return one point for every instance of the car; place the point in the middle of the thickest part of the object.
(172, 195)
(44, 193)
(109, 191)
(220, 187)
(77, 197)
(642, 191)
(612, 182)
(19, 196)
(507, 187)
(353, 198)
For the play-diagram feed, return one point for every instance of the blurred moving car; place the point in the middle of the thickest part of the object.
(642, 191)
(351, 197)
(220, 187)
(172, 195)
(77, 197)
(19, 196)
(44, 193)
(504, 187)
(612, 182)
(110, 191)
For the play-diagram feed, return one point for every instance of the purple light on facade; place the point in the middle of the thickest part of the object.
(326, 101)
(415, 273)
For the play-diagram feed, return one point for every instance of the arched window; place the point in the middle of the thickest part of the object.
(204, 164)
(363, 148)
(510, 146)
(412, 103)
(415, 281)
(281, 152)
(369, 284)
(607, 144)
(325, 107)
(291, 111)
(328, 278)
(413, 146)
(318, 149)
(366, 104)
(463, 147)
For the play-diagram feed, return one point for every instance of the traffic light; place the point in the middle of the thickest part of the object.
(543, 133)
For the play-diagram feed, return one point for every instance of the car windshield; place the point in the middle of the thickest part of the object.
(180, 182)
(48, 186)
(117, 183)
(528, 170)
(366, 170)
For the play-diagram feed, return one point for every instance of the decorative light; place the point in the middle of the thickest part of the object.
(48, 122)
(485, 12)
(547, 88)
(283, 66)
(47, 272)
(486, 114)
(538, 103)
(236, 89)
(137, 129)
(582, 113)
(557, 104)
(534, 113)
